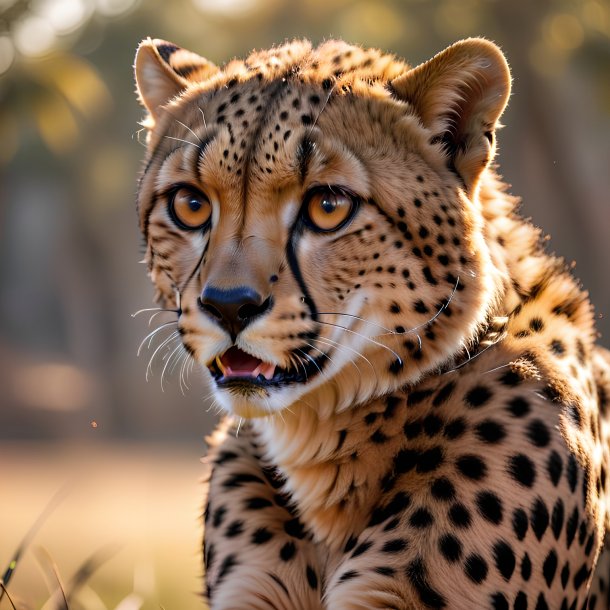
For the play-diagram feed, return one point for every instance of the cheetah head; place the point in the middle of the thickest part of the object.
(312, 214)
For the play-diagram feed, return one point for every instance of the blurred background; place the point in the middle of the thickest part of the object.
(75, 408)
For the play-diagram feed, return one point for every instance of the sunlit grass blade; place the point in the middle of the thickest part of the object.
(27, 539)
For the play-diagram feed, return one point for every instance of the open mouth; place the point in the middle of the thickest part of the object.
(237, 366)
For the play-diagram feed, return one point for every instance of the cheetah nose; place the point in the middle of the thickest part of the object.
(233, 308)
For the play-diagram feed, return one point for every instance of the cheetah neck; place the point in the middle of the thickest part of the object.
(332, 470)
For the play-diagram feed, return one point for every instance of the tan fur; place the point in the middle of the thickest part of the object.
(450, 446)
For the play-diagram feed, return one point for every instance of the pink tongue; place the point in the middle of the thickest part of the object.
(236, 363)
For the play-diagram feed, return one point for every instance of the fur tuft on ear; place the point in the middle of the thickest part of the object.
(163, 70)
(459, 96)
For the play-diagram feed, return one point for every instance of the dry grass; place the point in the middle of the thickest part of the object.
(137, 504)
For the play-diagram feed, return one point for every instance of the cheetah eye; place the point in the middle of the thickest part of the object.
(189, 209)
(329, 209)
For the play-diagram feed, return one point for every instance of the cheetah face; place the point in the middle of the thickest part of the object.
(312, 221)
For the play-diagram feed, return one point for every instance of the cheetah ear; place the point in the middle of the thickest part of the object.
(164, 70)
(459, 96)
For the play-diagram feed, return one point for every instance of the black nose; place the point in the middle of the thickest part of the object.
(233, 308)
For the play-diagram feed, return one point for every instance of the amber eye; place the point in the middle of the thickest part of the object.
(328, 209)
(190, 209)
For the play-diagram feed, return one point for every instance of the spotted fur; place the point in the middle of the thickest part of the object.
(437, 436)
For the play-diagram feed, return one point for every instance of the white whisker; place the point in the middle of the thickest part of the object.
(171, 337)
(187, 127)
(151, 335)
(349, 330)
(203, 117)
(169, 359)
(181, 140)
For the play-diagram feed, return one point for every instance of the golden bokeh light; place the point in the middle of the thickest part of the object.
(563, 32)
(374, 24)
(52, 386)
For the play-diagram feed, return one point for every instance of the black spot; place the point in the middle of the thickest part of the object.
(234, 529)
(370, 418)
(536, 324)
(432, 425)
(420, 307)
(427, 273)
(417, 574)
(312, 577)
(287, 551)
(549, 567)
(294, 528)
(240, 479)
(581, 576)
(405, 460)
(225, 456)
(471, 466)
(520, 601)
(518, 407)
(351, 543)
(349, 575)
(229, 562)
(218, 516)
(362, 548)
(421, 518)
(443, 489)
(430, 459)
(526, 567)
(490, 431)
(459, 515)
(572, 472)
(417, 396)
(397, 505)
(590, 543)
(412, 429)
(582, 533)
(396, 366)
(209, 553)
(539, 517)
(498, 602)
(557, 347)
(554, 467)
(443, 394)
(261, 535)
(504, 558)
(511, 378)
(541, 603)
(538, 433)
(520, 523)
(574, 415)
(455, 428)
(489, 506)
(396, 545)
(571, 525)
(392, 524)
(522, 469)
(378, 437)
(384, 570)
(557, 518)
(565, 574)
(257, 503)
(475, 568)
(450, 547)
(477, 396)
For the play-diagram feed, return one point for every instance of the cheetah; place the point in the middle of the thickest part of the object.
(415, 407)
